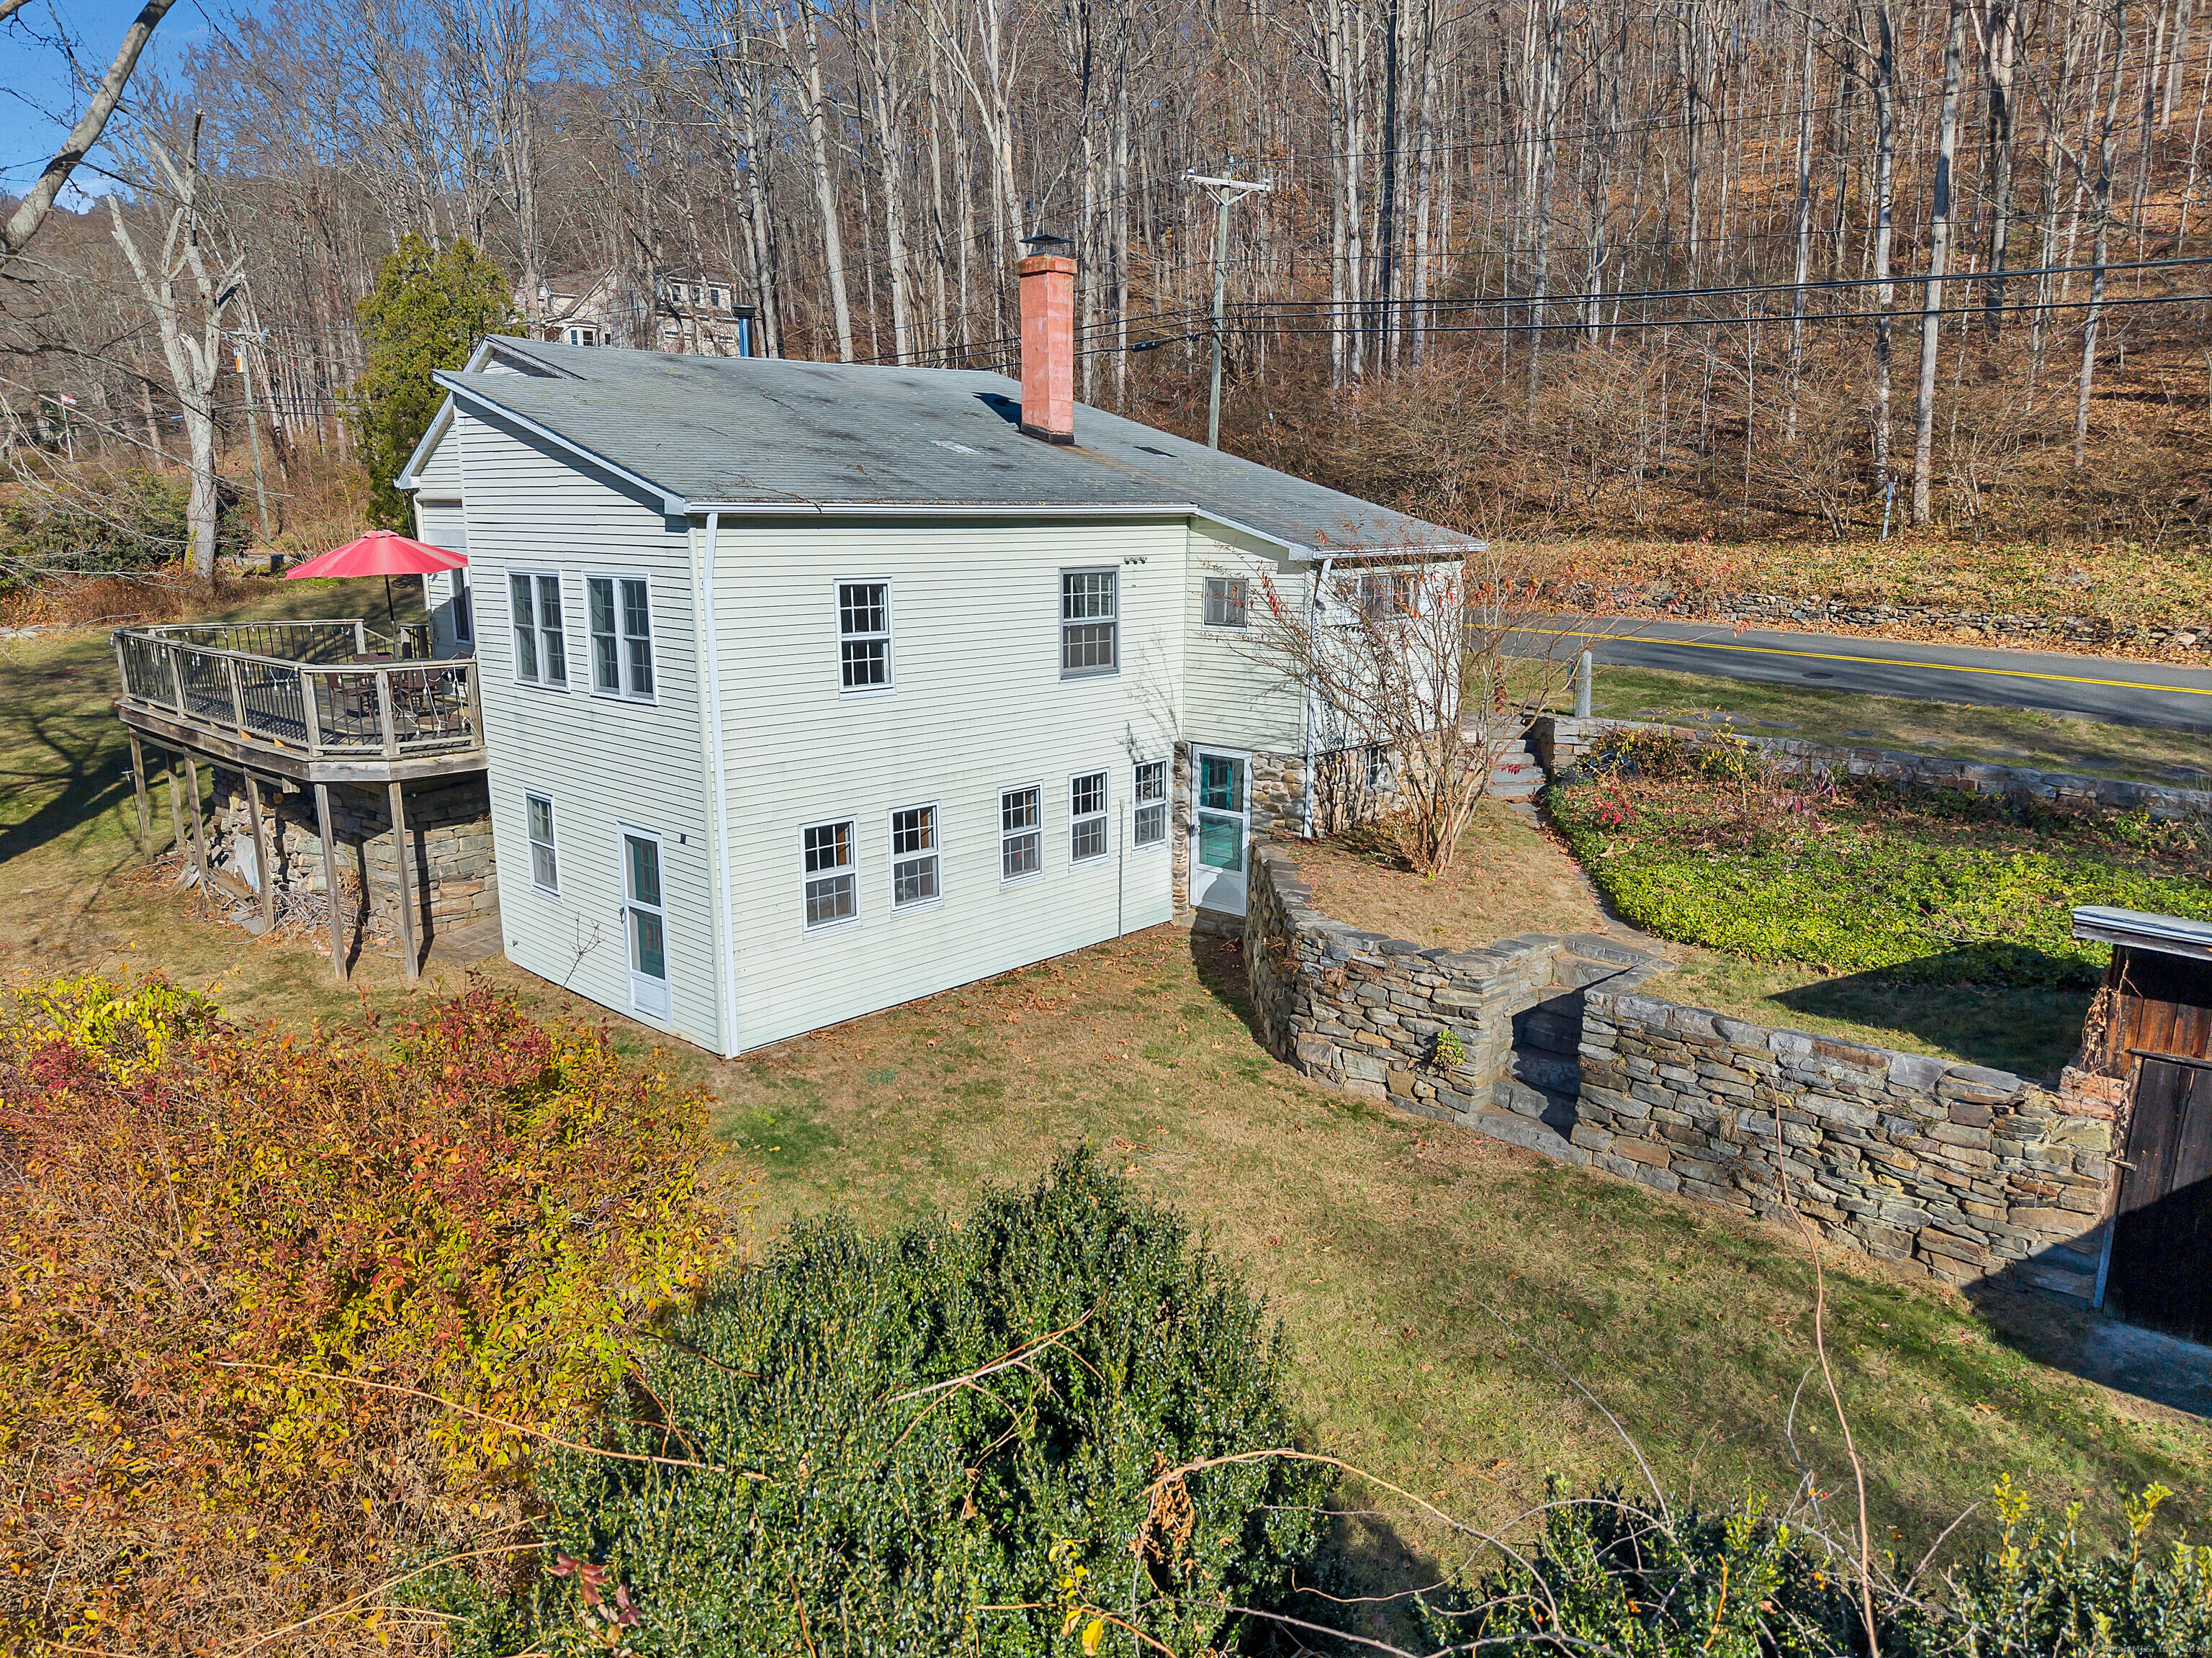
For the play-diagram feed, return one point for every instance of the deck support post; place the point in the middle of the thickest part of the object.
(176, 803)
(331, 879)
(138, 786)
(406, 885)
(199, 828)
(263, 861)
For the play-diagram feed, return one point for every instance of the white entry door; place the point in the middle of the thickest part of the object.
(1221, 817)
(645, 922)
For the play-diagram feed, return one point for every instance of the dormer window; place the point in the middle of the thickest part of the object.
(583, 337)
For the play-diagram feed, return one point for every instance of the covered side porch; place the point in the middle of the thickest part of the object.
(298, 709)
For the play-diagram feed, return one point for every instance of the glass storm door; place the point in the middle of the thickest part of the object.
(644, 921)
(1220, 816)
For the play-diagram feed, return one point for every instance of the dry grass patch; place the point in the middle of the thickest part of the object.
(1508, 877)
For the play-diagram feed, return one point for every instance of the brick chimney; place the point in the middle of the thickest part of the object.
(1048, 339)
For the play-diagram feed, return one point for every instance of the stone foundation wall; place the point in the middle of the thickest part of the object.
(1557, 743)
(448, 831)
(1953, 1171)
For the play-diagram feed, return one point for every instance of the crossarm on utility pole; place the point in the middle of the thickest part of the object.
(1227, 192)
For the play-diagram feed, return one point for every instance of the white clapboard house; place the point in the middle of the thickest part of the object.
(810, 688)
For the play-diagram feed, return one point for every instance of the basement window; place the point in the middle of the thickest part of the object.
(832, 888)
(1151, 824)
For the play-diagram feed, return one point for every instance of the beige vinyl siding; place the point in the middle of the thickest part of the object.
(602, 761)
(978, 706)
(443, 523)
(1230, 699)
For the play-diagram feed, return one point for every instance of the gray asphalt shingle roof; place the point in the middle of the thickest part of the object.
(732, 431)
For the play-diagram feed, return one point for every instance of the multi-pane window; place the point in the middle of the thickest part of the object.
(832, 888)
(621, 635)
(864, 635)
(1086, 817)
(544, 868)
(465, 621)
(1226, 597)
(1089, 621)
(1021, 842)
(1151, 824)
(541, 653)
(1386, 595)
(913, 855)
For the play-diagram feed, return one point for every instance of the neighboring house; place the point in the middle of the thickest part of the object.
(809, 689)
(688, 312)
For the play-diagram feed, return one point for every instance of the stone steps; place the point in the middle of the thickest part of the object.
(1515, 774)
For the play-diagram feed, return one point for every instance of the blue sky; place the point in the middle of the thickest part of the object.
(35, 80)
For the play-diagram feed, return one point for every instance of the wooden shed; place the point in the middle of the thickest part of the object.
(2151, 1029)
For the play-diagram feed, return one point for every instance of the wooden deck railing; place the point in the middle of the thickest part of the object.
(303, 693)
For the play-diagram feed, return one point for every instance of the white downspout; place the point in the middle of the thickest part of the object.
(726, 963)
(1313, 626)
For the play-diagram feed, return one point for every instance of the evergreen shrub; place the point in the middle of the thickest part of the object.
(968, 1436)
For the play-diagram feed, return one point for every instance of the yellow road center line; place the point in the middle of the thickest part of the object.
(1871, 661)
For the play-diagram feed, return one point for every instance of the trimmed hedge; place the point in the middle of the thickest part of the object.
(963, 1437)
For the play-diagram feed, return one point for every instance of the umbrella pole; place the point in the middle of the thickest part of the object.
(390, 617)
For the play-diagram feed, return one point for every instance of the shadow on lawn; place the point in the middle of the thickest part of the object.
(89, 771)
(2030, 1029)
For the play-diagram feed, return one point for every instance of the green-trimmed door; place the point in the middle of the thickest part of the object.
(1221, 822)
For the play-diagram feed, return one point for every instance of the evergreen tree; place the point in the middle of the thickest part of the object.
(428, 310)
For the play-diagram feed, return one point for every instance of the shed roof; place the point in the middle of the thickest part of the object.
(760, 432)
(2169, 935)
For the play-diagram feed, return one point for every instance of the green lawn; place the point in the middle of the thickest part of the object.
(1443, 1294)
(2004, 737)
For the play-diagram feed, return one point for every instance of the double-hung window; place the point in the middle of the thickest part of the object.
(1226, 599)
(832, 888)
(1090, 621)
(1150, 827)
(545, 867)
(1386, 596)
(913, 855)
(864, 635)
(621, 635)
(1021, 841)
(541, 653)
(464, 614)
(1086, 817)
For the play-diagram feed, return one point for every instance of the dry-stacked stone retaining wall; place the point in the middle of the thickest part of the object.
(448, 828)
(1959, 1171)
(1953, 1170)
(1557, 743)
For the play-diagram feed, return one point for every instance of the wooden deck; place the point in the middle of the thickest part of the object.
(294, 700)
(300, 705)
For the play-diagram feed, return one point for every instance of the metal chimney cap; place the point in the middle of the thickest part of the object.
(1046, 241)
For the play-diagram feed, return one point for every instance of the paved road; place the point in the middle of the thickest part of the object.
(2087, 687)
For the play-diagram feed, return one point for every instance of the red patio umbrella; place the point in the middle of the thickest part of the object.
(380, 552)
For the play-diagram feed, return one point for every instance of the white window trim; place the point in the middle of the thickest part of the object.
(1224, 626)
(812, 929)
(1166, 803)
(1104, 814)
(462, 601)
(623, 694)
(998, 813)
(530, 842)
(861, 693)
(1061, 623)
(936, 850)
(514, 667)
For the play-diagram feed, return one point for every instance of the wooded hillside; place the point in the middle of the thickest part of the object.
(1702, 265)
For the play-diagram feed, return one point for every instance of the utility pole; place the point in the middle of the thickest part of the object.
(1227, 193)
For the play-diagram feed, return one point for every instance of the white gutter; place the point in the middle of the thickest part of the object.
(726, 963)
